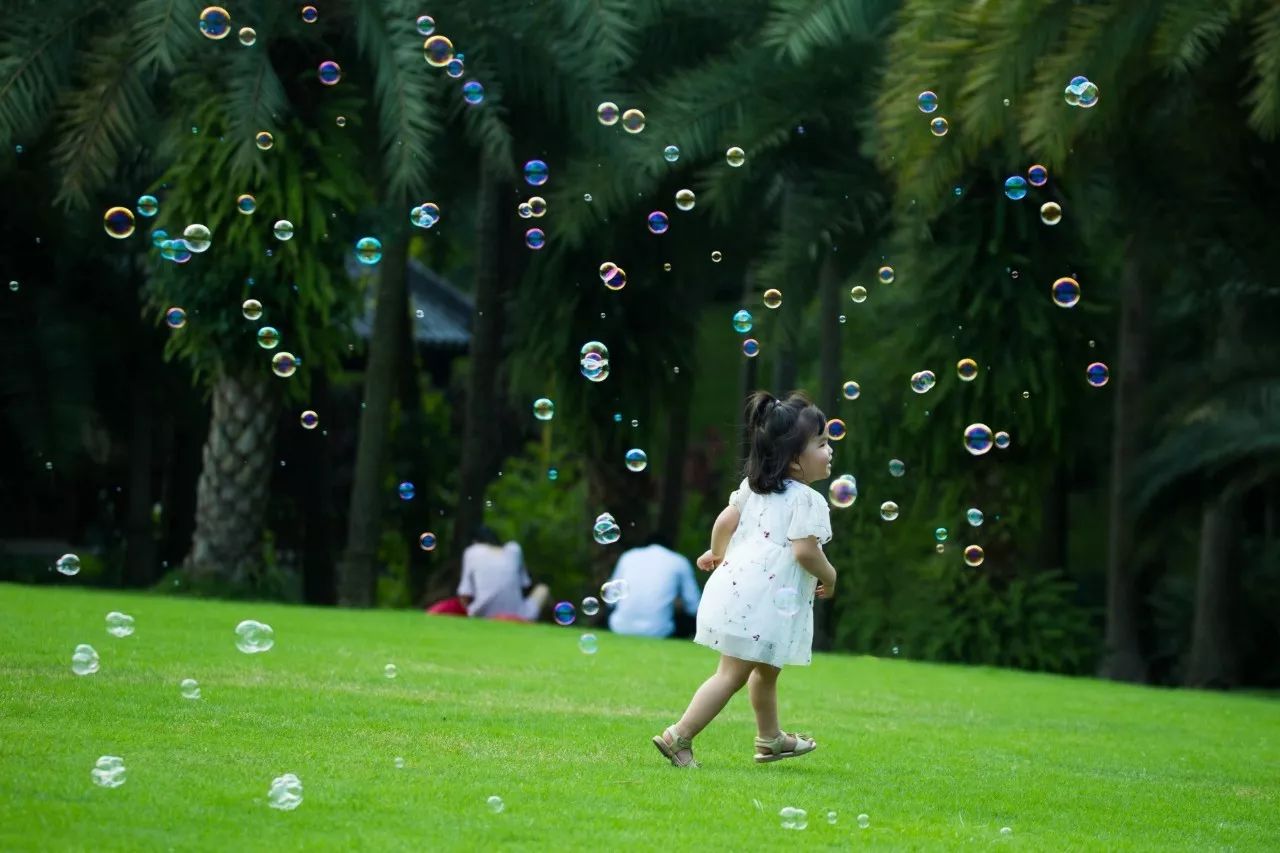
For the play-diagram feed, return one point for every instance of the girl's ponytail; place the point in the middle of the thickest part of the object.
(759, 405)
(777, 433)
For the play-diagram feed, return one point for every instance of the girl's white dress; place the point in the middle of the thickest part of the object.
(747, 606)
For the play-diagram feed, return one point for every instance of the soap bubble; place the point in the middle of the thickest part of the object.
(284, 364)
(426, 25)
(773, 298)
(523, 210)
(832, 817)
(175, 317)
(657, 222)
(118, 222)
(939, 126)
(927, 102)
(590, 605)
(398, 762)
(190, 688)
(973, 555)
(1097, 374)
(685, 199)
(587, 644)
(437, 51)
(940, 534)
(1050, 213)
(858, 293)
(1015, 187)
(68, 564)
(835, 429)
(535, 238)
(268, 337)
(863, 820)
(390, 671)
(788, 817)
(248, 36)
(637, 459)
(851, 390)
(495, 804)
(742, 321)
(786, 601)
(671, 153)
(246, 203)
(197, 237)
(613, 276)
(329, 72)
(633, 121)
(843, 491)
(1002, 440)
(368, 250)
(264, 140)
(285, 792)
(309, 14)
(716, 256)
(455, 68)
(544, 409)
(977, 439)
(1066, 292)
(606, 532)
(922, 381)
(473, 92)
(84, 660)
(607, 113)
(974, 516)
(751, 348)
(897, 467)
(885, 274)
(564, 613)
(309, 419)
(888, 510)
(1004, 830)
(537, 206)
(108, 771)
(148, 205)
(802, 819)
(614, 591)
(1037, 175)
(119, 624)
(253, 637)
(735, 157)
(535, 173)
(215, 23)
(283, 229)
(406, 491)
(427, 541)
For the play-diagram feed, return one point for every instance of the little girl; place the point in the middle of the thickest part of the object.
(757, 610)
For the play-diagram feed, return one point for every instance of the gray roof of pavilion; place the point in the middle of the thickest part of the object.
(446, 311)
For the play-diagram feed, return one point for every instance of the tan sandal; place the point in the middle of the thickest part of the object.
(777, 747)
(670, 744)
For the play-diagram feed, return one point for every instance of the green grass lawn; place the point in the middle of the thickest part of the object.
(936, 756)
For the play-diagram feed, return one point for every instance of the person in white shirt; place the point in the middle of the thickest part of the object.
(656, 576)
(494, 578)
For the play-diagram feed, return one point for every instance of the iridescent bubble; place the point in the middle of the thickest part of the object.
(973, 555)
(455, 68)
(751, 348)
(1037, 175)
(84, 660)
(368, 250)
(564, 613)
(390, 671)
(215, 23)
(329, 72)
(309, 419)
(939, 126)
(735, 157)
(263, 139)
(537, 206)
(158, 237)
(246, 203)
(922, 381)
(552, 474)
(398, 762)
(588, 644)
(495, 804)
(716, 256)
(190, 688)
(285, 792)
(615, 278)
(615, 590)
(897, 467)
(786, 600)
(544, 409)
(1097, 374)
(534, 238)
(858, 294)
(885, 274)
(977, 439)
(406, 491)
(671, 153)
(863, 820)
(973, 515)
(175, 318)
(196, 238)
(148, 206)
(283, 229)
(254, 637)
(427, 541)
(851, 390)
(843, 319)
(888, 510)
(473, 92)
(425, 215)
(590, 606)
(535, 173)
(1015, 187)
(843, 491)
(940, 534)
(637, 459)
(284, 364)
(773, 298)
(832, 817)
(523, 210)
(685, 199)
(967, 369)
(836, 429)
(118, 222)
(742, 321)
(309, 14)
(1002, 440)
(927, 101)
(426, 25)
(248, 36)
(1050, 213)
(268, 337)
(657, 222)
(1066, 292)
(109, 770)
(1004, 830)
(606, 532)
(633, 121)
(13, 286)
(607, 113)
(437, 51)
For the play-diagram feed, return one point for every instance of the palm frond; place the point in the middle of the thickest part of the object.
(254, 101)
(35, 61)
(798, 29)
(1188, 32)
(1264, 57)
(165, 32)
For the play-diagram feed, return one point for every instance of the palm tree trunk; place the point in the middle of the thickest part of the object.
(828, 395)
(672, 500)
(1213, 661)
(357, 574)
(1124, 660)
(235, 477)
(319, 581)
(140, 541)
(748, 382)
(786, 341)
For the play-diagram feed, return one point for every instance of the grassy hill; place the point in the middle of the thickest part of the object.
(935, 756)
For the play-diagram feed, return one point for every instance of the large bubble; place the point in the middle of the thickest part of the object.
(215, 22)
(148, 205)
(535, 173)
(1066, 292)
(84, 660)
(927, 101)
(119, 624)
(368, 250)
(118, 222)
(633, 121)
(637, 459)
(735, 156)
(253, 637)
(967, 369)
(284, 364)
(607, 113)
(1097, 374)
(437, 51)
(285, 792)
(685, 199)
(197, 238)
(108, 772)
(843, 491)
(977, 439)
(1015, 187)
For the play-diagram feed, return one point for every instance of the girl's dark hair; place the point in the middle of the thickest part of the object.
(777, 433)
(483, 533)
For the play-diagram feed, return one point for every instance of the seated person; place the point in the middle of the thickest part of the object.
(494, 580)
(656, 577)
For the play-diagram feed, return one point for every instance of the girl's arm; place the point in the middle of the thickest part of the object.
(721, 533)
(809, 555)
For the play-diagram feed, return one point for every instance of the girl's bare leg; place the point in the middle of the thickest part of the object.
(713, 695)
(762, 686)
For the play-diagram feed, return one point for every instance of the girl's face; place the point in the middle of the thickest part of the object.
(815, 462)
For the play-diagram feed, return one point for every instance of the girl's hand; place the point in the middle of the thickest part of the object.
(826, 590)
(709, 561)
